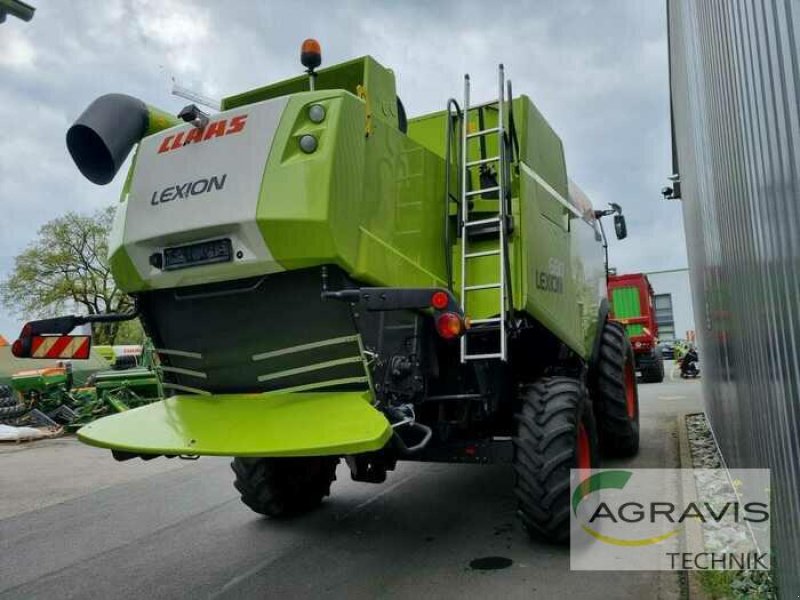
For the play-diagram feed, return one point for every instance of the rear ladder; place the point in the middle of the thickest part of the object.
(472, 227)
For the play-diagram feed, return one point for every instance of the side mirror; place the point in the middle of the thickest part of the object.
(620, 228)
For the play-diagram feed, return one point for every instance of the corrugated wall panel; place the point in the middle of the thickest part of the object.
(735, 83)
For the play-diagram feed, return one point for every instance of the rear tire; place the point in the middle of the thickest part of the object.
(616, 395)
(11, 406)
(279, 487)
(7, 397)
(653, 368)
(555, 433)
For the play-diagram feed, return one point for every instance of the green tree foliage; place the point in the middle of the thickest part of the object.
(64, 270)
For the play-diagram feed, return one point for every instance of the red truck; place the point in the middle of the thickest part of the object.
(630, 298)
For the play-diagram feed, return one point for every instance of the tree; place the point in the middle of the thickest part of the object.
(65, 270)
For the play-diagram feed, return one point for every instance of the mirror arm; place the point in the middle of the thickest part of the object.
(63, 325)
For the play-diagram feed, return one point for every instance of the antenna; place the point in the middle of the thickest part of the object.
(192, 96)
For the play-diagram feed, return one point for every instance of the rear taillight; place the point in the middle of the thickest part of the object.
(440, 300)
(449, 325)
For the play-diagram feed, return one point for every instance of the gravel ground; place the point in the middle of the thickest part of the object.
(736, 585)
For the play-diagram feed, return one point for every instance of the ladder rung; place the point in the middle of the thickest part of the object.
(485, 321)
(482, 253)
(495, 188)
(482, 356)
(482, 286)
(481, 132)
(481, 222)
(483, 161)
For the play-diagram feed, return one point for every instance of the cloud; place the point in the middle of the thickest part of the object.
(596, 70)
(16, 52)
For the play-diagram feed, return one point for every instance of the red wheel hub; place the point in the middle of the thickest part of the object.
(630, 389)
(584, 453)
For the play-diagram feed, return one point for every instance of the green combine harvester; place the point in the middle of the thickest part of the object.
(324, 278)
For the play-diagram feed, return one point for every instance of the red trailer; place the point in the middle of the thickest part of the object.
(631, 301)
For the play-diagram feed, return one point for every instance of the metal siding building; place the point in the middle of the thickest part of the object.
(735, 87)
(673, 285)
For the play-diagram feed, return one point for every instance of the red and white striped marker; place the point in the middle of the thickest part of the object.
(61, 346)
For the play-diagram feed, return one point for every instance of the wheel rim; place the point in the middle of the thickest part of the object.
(630, 389)
(584, 452)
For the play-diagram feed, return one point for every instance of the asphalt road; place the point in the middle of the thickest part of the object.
(76, 524)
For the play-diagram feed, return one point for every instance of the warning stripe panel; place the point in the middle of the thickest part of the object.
(61, 346)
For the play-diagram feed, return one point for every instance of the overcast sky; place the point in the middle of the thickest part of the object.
(596, 70)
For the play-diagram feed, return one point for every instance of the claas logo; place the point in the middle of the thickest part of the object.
(195, 135)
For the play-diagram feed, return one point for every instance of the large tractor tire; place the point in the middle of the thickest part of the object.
(11, 406)
(555, 433)
(652, 367)
(13, 411)
(279, 487)
(616, 397)
(7, 399)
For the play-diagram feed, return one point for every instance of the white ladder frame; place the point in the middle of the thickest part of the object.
(501, 219)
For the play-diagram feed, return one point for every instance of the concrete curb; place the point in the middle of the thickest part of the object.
(693, 532)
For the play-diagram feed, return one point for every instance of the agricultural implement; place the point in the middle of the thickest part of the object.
(632, 304)
(49, 397)
(325, 278)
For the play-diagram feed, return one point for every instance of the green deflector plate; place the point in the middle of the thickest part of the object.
(273, 424)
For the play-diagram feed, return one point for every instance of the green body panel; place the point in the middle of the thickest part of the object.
(361, 202)
(125, 274)
(274, 424)
(625, 301)
(159, 120)
(365, 72)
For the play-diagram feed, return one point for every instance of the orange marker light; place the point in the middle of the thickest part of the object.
(311, 54)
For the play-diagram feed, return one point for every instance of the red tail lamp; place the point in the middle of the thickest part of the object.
(440, 300)
(449, 325)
